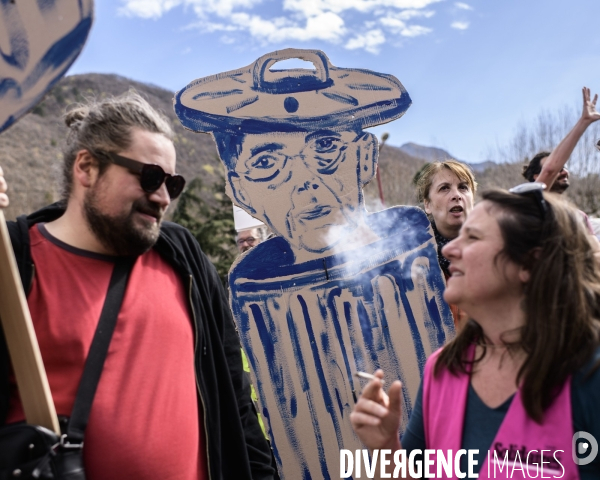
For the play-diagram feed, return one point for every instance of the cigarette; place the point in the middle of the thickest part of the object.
(368, 376)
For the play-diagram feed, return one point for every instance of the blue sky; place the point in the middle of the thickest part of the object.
(474, 69)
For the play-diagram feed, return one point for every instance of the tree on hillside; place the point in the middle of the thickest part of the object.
(207, 213)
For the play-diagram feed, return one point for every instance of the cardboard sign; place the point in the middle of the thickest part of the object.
(38, 43)
(338, 290)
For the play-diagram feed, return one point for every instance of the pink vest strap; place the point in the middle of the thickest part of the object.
(519, 442)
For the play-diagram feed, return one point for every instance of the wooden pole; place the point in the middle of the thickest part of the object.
(21, 340)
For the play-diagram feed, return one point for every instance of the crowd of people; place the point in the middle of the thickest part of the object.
(523, 284)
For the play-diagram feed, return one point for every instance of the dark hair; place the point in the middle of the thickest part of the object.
(106, 126)
(562, 297)
(534, 167)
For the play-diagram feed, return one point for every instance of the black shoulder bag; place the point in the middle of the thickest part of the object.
(34, 452)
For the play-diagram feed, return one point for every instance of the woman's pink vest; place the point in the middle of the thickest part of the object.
(517, 449)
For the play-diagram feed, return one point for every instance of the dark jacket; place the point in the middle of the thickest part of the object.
(237, 448)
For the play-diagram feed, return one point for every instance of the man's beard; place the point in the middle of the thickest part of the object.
(119, 234)
(559, 187)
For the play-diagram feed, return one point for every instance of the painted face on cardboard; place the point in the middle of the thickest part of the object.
(306, 187)
(125, 218)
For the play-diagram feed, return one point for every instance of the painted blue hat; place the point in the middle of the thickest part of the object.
(255, 99)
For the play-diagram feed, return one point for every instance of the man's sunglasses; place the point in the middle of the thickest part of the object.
(151, 176)
(536, 189)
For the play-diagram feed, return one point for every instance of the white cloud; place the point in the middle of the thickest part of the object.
(411, 13)
(147, 8)
(398, 26)
(369, 41)
(333, 21)
(460, 25)
(227, 40)
(463, 6)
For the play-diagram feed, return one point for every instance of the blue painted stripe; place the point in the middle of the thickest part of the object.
(322, 383)
(268, 339)
(242, 104)
(333, 294)
(368, 86)
(341, 97)
(60, 55)
(218, 94)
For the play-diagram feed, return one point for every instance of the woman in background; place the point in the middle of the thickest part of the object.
(523, 371)
(446, 190)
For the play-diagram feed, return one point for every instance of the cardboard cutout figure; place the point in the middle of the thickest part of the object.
(338, 290)
(38, 43)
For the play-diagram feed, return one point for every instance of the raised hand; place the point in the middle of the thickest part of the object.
(376, 416)
(589, 106)
(3, 188)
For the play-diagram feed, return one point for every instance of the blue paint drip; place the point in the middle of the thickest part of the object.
(297, 352)
(293, 407)
(306, 388)
(333, 294)
(391, 347)
(356, 351)
(339, 402)
(412, 323)
(275, 376)
(322, 382)
(366, 328)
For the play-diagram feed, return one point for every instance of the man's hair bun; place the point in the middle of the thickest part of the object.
(76, 115)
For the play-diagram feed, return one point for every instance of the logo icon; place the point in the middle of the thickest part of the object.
(587, 446)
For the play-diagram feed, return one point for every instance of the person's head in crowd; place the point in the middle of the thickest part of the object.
(526, 257)
(532, 170)
(446, 190)
(246, 239)
(119, 171)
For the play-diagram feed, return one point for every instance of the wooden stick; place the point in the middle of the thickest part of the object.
(22, 342)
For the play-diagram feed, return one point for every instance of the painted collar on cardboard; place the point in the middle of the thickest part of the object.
(255, 99)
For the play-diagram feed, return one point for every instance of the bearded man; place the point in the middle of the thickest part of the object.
(173, 400)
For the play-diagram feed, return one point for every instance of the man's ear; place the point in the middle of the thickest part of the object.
(85, 169)
(367, 160)
(235, 191)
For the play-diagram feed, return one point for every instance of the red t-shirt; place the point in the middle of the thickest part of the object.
(144, 422)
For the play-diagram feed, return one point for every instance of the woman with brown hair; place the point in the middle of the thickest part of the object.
(521, 378)
(446, 190)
